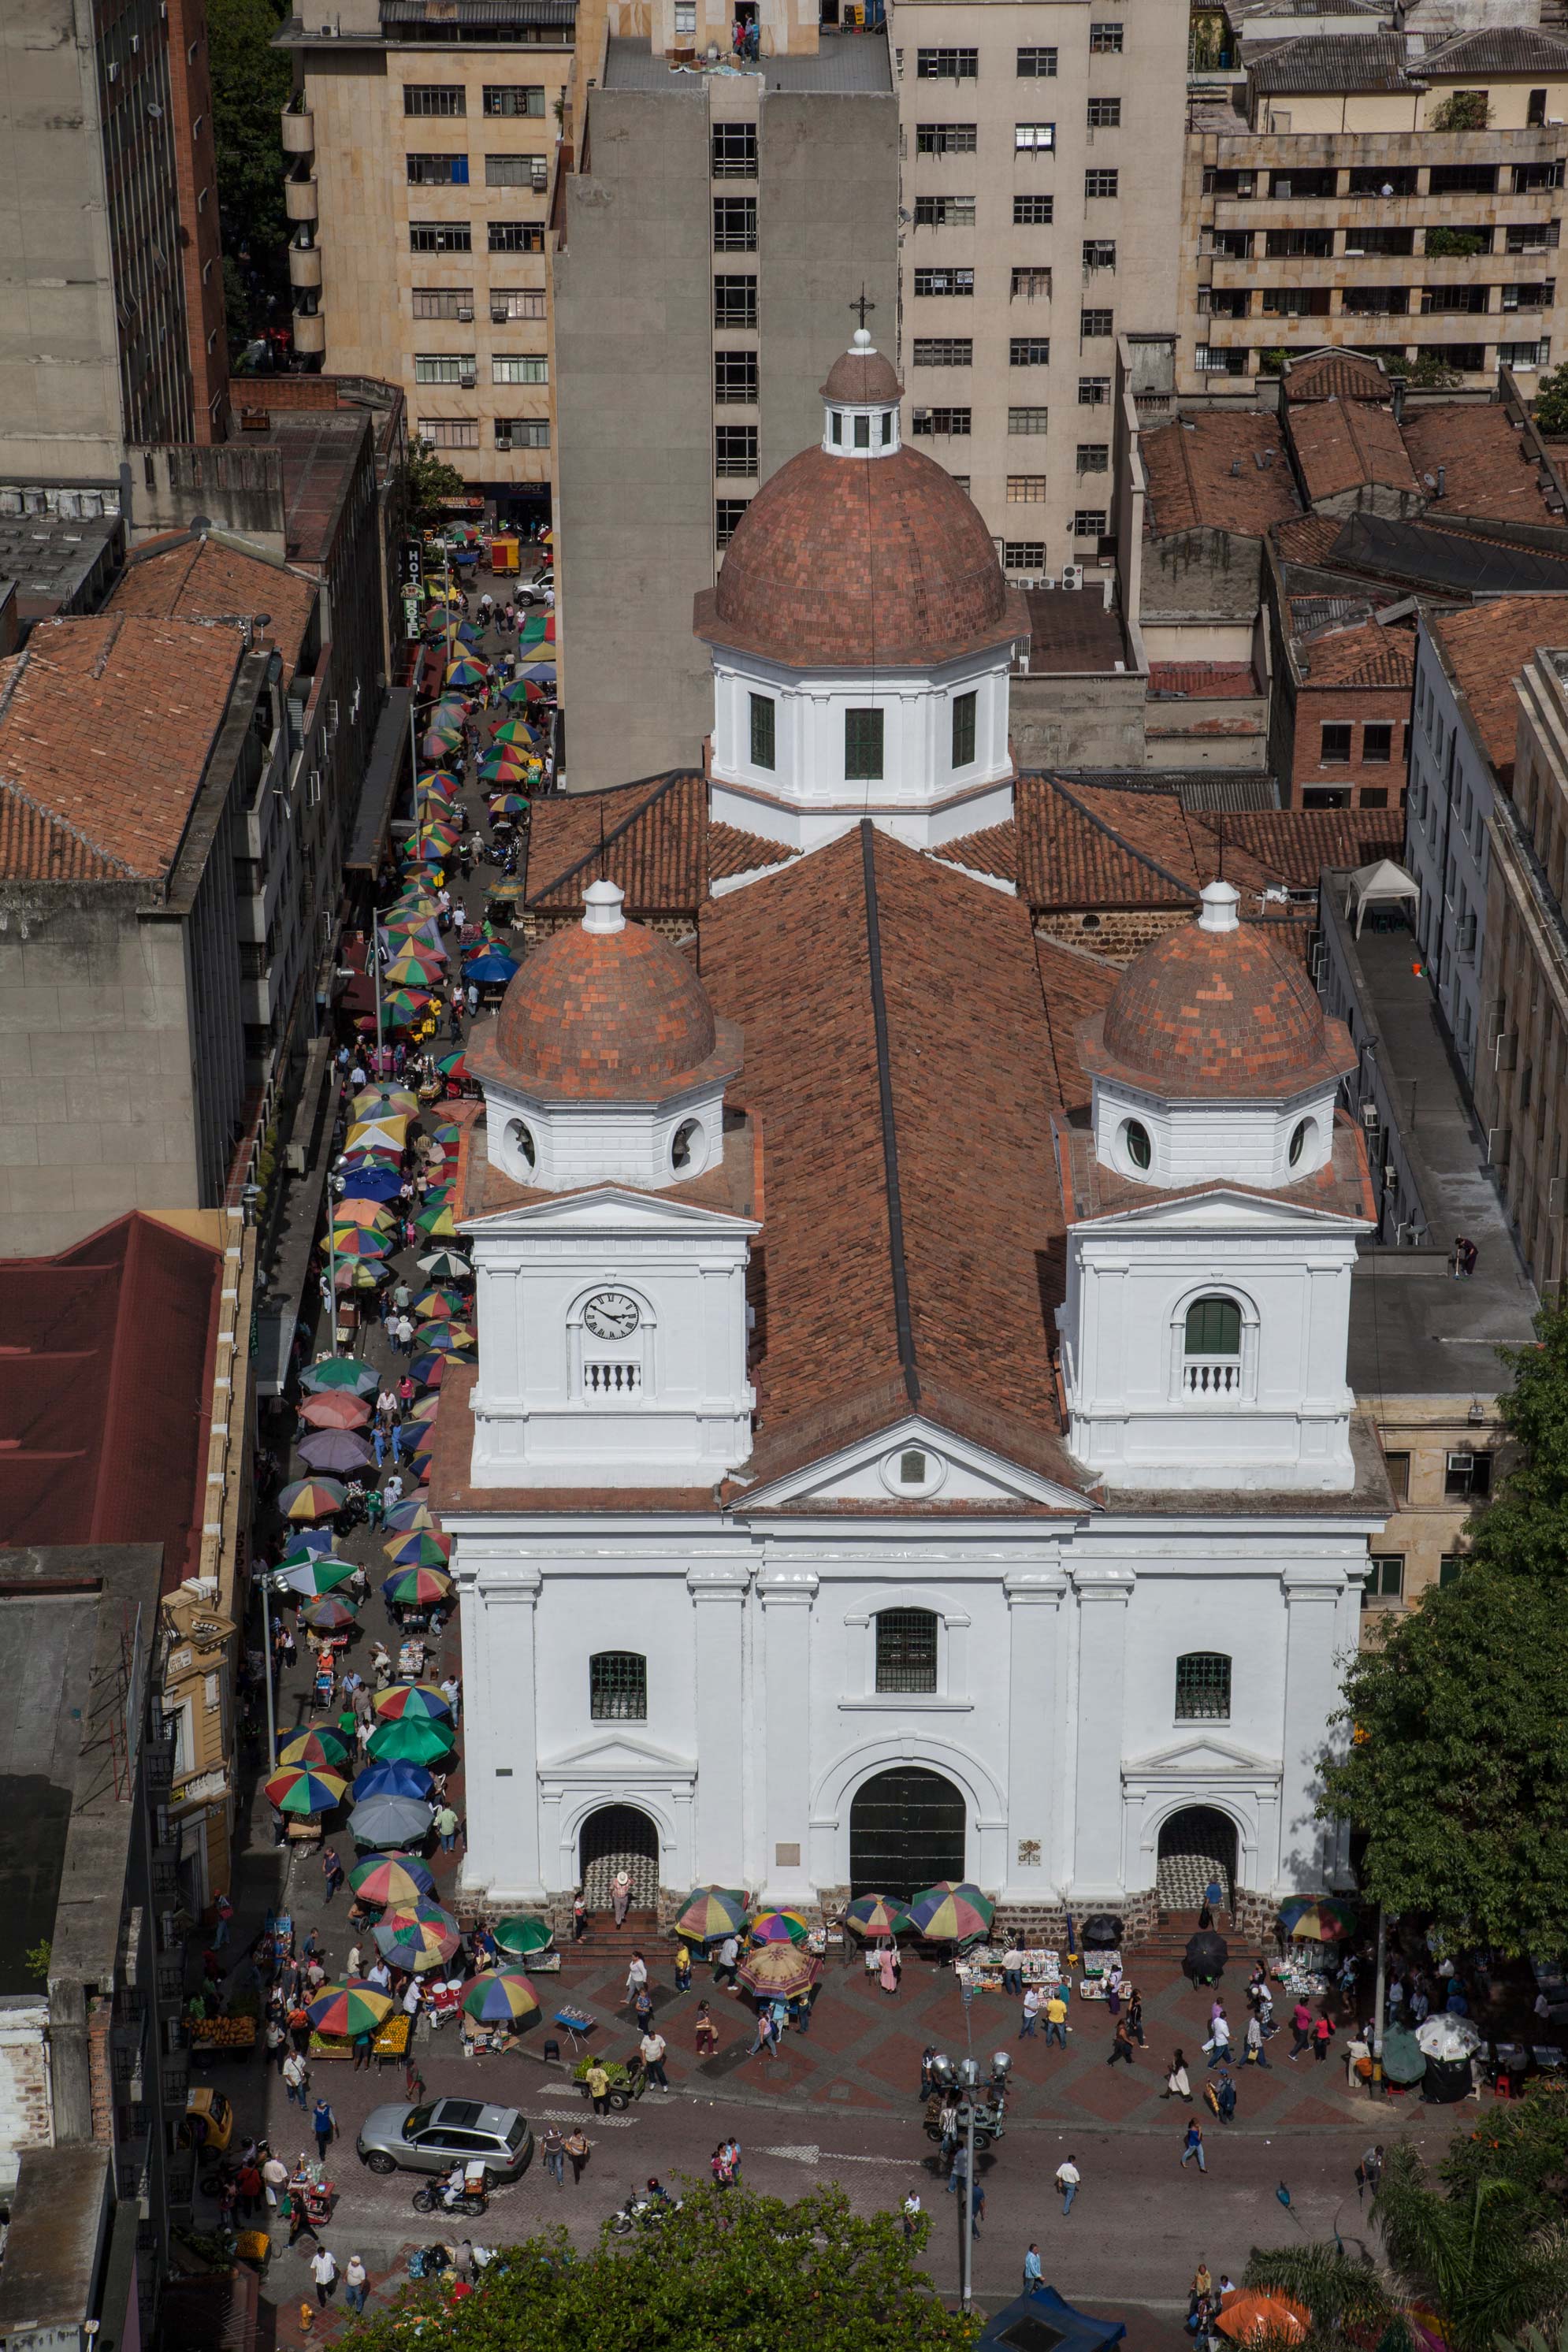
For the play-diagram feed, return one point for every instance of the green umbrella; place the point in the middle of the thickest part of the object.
(524, 1936)
(410, 1739)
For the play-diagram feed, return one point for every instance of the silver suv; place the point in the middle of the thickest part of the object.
(445, 2132)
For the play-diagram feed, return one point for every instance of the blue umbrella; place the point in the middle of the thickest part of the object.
(542, 672)
(489, 970)
(392, 1779)
(308, 1543)
(375, 1182)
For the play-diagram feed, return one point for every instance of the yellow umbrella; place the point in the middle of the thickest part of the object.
(393, 1102)
(391, 1134)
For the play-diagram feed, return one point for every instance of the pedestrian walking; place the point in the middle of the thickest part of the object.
(1322, 2034)
(356, 2283)
(332, 1870)
(578, 2148)
(1255, 2054)
(1301, 2027)
(553, 2147)
(621, 1896)
(274, 2179)
(277, 2043)
(248, 2188)
(296, 2077)
(1219, 2035)
(728, 1962)
(324, 2124)
(912, 2212)
(1122, 2046)
(977, 2207)
(224, 1910)
(1034, 2276)
(926, 2085)
(1192, 2145)
(598, 2083)
(1067, 2179)
(637, 1978)
(445, 1827)
(1177, 2086)
(766, 2035)
(1057, 2017)
(707, 2032)
(653, 2047)
(1135, 2017)
(1369, 2171)
(324, 2271)
(1031, 2011)
(683, 1968)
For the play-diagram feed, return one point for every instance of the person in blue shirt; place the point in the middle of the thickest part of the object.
(1034, 2277)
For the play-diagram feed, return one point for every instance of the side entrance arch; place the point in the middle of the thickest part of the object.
(1196, 1844)
(906, 1831)
(618, 1838)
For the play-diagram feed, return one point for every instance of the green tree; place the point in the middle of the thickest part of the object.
(1524, 2143)
(1550, 407)
(1457, 1764)
(251, 83)
(429, 482)
(1524, 1528)
(729, 2272)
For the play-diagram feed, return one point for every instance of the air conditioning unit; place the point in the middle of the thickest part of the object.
(1072, 575)
(113, 73)
(469, 379)
(466, 314)
(1510, 306)
(503, 438)
(294, 1158)
(498, 314)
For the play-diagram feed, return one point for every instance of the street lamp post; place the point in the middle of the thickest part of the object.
(267, 1674)
(969, 2081)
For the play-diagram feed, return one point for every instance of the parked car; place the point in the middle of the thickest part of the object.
(532, 591)
(444, 2132)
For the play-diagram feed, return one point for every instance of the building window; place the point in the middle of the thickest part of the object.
(862, 746)
(1027, 420)
(1094, 391)
(1033, 212)
(964, 707)
(906, 1650)
(931, 422)
(945, 350)
(1030, 286)
(1213, 1328)
(1100, 184)
(1105, 40)
(1023, 555)
(1105, 114)
(1029, 351)
(520, 370)
(1100, 253)
(1036, 65)
(522, 432)
(617, 1687)
(1033, 137)
(1526, 355)
(1203, 1687)
(944, 212)
(436, 171)
(1094, 457)
(1398, 1468)
(1336, 748)
(947, 65)
(1088, 522)
(763, 734)
(515, 302)
(734, 224)
(1026, 489)
(1377, 743)
(735, 449)
(434, 367)
(1385, 1579)
(434, 97)
(734, 151)
(944, 138)
(443, 301)
(735, 303)
(735, 377)
(450, 432)
(1467, 1474)
(727, 513)
(517, 171)
(510, 98)
(686, 20)
(944, 281)
(516, 237)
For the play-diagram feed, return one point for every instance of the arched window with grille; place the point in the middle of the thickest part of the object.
(1203, 1687)
(617, 1687)
(906, 1650)
(1212, 1366)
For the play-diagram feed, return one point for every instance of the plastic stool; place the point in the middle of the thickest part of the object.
(551, 2050)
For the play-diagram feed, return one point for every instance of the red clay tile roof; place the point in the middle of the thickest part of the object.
(1203, 679)
(1484, 461)
(1308, 538)
(845, 562)
(104, 1374)
(1340, 446)
(1188, 464)
(861, 377)
(658, 844)
(992, 851)
(1289, 848)
(1078, 984)
(1486, 648)
(1366, 654)
(106, 726)
(1335, 375)
(185, 578)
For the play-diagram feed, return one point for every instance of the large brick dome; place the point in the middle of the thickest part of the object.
(1210, 1010)
(841, 564)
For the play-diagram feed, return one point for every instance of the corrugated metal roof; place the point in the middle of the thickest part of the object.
(1333, 62)
(1196, 788)
(478, 11)
(1499, 49)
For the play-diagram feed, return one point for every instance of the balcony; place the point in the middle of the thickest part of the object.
(305, 266)
(299, 196)
(1212, 1380)
(309, 332)
(299, 131)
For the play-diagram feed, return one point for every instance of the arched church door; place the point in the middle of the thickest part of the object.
(618, 1838)
(906, 1831)
(1197, 1844)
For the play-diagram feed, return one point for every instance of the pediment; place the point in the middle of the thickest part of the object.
(867, 1473)
(607, 1209)
(1203, 1752)
(1221, 1208)
(618, 1755)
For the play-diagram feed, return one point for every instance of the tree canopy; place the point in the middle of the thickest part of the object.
(1550, 406)
(251, 82)
(1524, 1528)
(430, 481)
(730, 2272)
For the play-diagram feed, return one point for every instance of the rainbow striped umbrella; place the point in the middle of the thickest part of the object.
(416, 1740)
(778, 1972)
(332, 1615)
(507, 803)
(424, 1549)
(354, 1242)
(413, 966)
(322, 1573)
(405, 1005)
(876, 1915)
(437, 1305)
(324, 1748)
(396, 1881)
(310, 1498)
(413, 1699)
(711, 1912)
(446, 1266)
(359, 1274)
(500, 1996)
(505, 892)
(308, 1543)
(345, 2010)
(438, 1220)
(437, 742)
(437, 780)
(340, 1372)
(418, 1938)
(1321, 1918)
(523, 1936)
(464, 673)
(416, 1588)
(952, 1912)
(513, 731)
(779, 1927)
(429, 1371)
(374, 1215)
(407, 1518)
(306, 1789)
(447, 1338)
(383, 1099)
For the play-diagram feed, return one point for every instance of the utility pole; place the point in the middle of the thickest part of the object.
(1378, 1996)
(969, 2080)
(266, 1582)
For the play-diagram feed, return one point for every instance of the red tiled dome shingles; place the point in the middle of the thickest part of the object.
(1215, 1013)
(849, 563)
(605, 1014)
(861, 379)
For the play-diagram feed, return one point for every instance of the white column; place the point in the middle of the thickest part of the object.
(1307, 1847)
(1033, 1725)
(1103, 1594)
(499, 1741)
(786, 1595)
(718, 1597)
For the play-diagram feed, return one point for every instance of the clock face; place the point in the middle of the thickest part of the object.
(610, 1316)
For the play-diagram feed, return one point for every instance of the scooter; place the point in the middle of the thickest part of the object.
(467, 2203)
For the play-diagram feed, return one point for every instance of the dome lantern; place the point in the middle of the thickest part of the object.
(860, 413)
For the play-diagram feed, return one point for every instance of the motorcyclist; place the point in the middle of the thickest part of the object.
(657, 2194)
(452, 2188)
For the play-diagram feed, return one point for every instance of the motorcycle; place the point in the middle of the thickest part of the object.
(641, 2212)
(467, 2203)
(988, 2123)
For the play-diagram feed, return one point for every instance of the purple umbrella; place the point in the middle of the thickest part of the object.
(334, 1449)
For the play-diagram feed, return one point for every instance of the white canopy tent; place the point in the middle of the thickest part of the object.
(1381, 884)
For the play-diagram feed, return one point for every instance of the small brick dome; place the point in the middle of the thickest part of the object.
(860, 377)
(1210, 1010)
(605, 1008)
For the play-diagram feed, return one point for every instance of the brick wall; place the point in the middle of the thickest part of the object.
(1118, 933)
(201, 259)
(26, 2120)
(1356, 706)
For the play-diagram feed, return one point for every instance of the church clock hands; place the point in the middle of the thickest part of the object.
(611, 1315)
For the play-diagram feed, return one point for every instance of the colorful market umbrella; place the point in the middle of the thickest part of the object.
(306, 1789)
(408, 1516)
(412, 1700)
(778, 1972)
(354, 1242)
(322, 1573)
(414, 1739)
(334, 1409)
(447, 1338)
(508, 804)
(507, 891)
(396, 1881)
(440, 779)
(711, 1912)
(436, 1305)
(372, 1214)
(412, 969)
(492, 970)
(392, 1776)
(339, 1450)
(345, 2010)
(523, 1936)
(310, 1498)
(1322, 1919)
(1248, 2314)
(429, 1371)
(499, 1997)
(437, 742)
(513, 731)
(406, 1005)
(391, 1821)
(425, 1549)
(359, 1274)
(952, 1912)
(779, 1927)
(446, 1266)
(324, 1748)
(464, 673)
(876, 1915)
(331, 1615)
(420, 1938)
(453, 1065)
(308, 1543)
(416, 1588)
(340, 1372)
(438, 1220)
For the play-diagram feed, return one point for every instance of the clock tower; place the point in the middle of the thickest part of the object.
(610, 1251)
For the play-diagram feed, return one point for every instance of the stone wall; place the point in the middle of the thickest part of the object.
(1117, 934)
(26, 2119)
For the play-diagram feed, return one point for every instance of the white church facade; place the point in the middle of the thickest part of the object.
(911, 1436)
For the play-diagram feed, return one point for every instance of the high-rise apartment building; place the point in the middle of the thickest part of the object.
(1398, 195)
(112, 333)
(1041, 148)
(420, 145)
